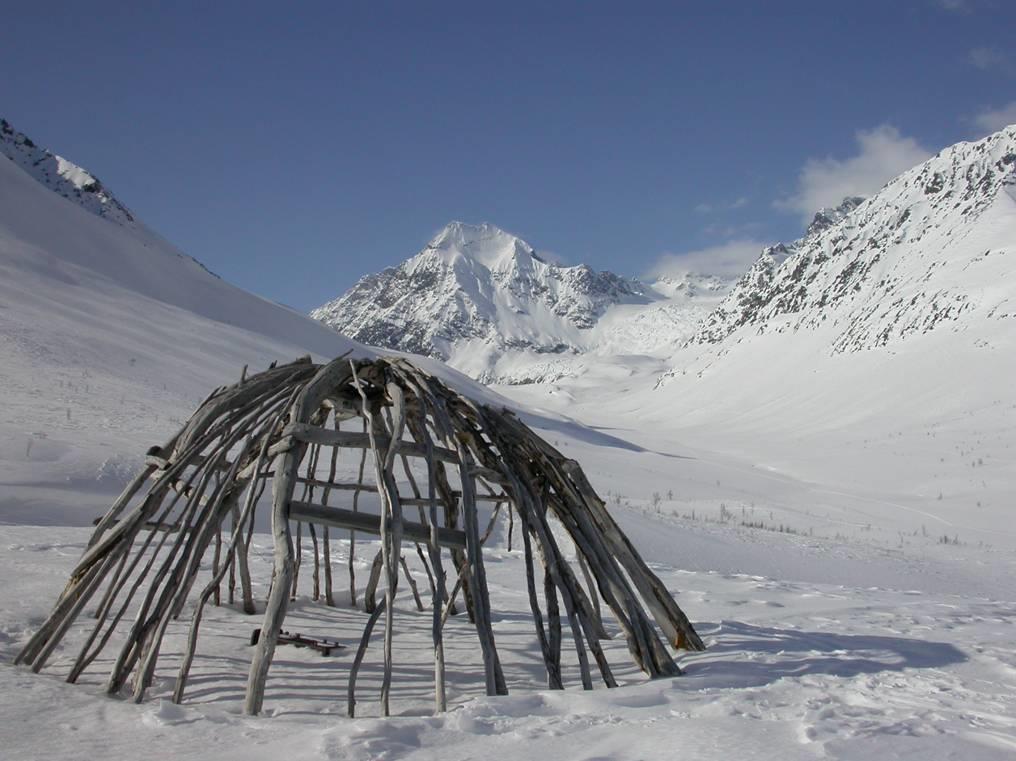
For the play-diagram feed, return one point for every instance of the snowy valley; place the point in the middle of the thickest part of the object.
(818, 460)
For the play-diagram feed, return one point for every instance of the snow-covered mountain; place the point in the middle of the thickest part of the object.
(61, 176)
(487, 303)
(875, 356)
(477, 282)
(925, 253)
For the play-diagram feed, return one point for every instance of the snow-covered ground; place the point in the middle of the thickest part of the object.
(794, 669)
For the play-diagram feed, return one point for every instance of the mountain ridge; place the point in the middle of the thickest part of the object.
(883, 268)
(63, 177)
(478, 283)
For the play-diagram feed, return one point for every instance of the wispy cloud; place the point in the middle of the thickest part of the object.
(882, 153)
(731, 259)
(553, 257)
(988, 58)
(708, 208)
(729, 231)
(994, 119)
(954, 6)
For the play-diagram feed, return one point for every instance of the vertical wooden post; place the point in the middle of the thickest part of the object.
(298, 560)
(287, 466)
(474, 554)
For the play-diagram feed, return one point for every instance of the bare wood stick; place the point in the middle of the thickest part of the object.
(326, 545)
(554, 680)
(491, 663)
(353, 440)
(299, 559)
(584, 567)
(412, 583)
(553, 617)
(490, 524)
(316, 591)
(352, 535)
(418, 500)
(216, 559)
(231, 584)
(121, 502)
(138, 639)
(511, 525)
(449, 608)
(360, 651)
(74, 603)
(391, 537)
(326, 531)
(183, 575)
(370, 591)
(285, 469)
(86, 656)
(438, 588)
(236, 544)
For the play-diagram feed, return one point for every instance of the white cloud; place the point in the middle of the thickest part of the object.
(956, 6)
(991, 59)
(709, 208)
(994, 119)
(730, 258)
(552, 257)
(882, 153)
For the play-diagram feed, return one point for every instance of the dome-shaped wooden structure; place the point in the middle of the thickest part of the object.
(196, 500)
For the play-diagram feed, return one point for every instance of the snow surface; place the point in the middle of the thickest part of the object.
(837, 524)
(794, 670)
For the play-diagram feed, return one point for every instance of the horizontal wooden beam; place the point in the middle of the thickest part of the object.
(371, 524)
(336, 486)
(312, 434)
(340, 486)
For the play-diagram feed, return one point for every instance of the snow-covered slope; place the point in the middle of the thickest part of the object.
(871, 364)
(920, 255)
(108, 338)
(61, 176)
(485, 301)
(108, 335)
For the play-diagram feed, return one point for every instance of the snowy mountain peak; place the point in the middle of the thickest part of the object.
(826, 218)
(691, 285)
(62, 176)
(932, 248)
(480, 290)
(484, 243)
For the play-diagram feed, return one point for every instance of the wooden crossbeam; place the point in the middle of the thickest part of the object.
(340, 486)
(313, 434)
(370, 524)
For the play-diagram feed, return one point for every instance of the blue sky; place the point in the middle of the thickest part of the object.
(293, 148)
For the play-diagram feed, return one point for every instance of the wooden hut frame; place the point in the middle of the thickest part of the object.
(285, 426)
